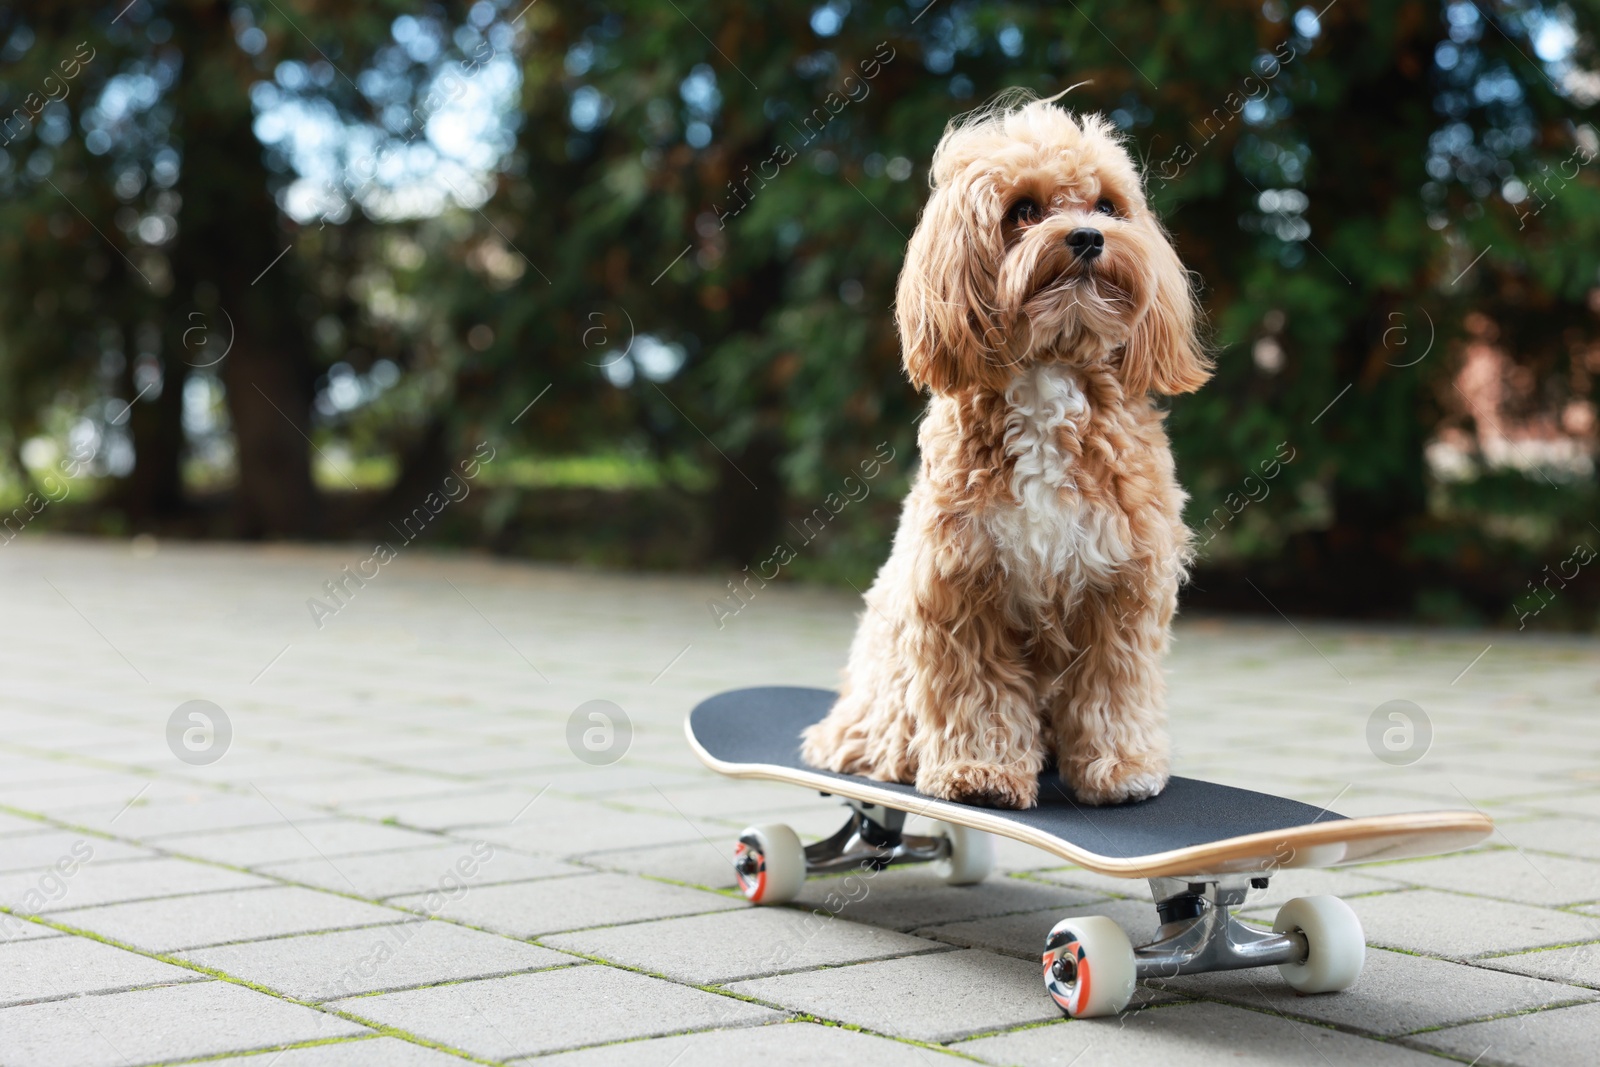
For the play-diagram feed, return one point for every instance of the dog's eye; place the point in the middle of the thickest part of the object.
(1022, 212)
(1104, 206)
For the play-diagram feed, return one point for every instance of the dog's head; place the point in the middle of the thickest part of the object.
(1037, 245)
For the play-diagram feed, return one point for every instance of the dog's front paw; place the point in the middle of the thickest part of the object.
(990, 785)
(1113, 780)
(821, 745)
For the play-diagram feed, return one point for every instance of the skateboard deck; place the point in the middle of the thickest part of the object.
(1191, 828)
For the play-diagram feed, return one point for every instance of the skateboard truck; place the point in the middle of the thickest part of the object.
(1199, 933)
(870, 840)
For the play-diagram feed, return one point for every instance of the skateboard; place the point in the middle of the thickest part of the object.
(1202, 847)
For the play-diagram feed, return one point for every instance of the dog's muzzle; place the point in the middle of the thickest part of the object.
(1086, 243)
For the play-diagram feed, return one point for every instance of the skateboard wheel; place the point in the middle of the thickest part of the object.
(1089, 967)
(1335, 945)
(971, 854)
(769, 863)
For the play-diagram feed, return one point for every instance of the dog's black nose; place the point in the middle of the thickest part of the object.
(1086, 241)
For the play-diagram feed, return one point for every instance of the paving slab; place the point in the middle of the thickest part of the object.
(563, 826)
(366, 787)
(645, 769)
(1397, 994)
(316, 967)
(1191, 1035)
(331, 838)
(1362, 801)
(38, 850)
(445, 868)
(356, 1052)
(197, 811)
(692, 862)
(480, 807)
(737, 798)
(156, 1025)
(11, 825)
(907, 898)
(728, 946)
(175, 923)
(409, 708)
(1023, 934)
(1341, 882)
(15, 928)
(1509, 874)
(93, 883)
(554, 1010)
(1458, 789)
(83, 798)
(547, 906)
(36, 970)
(935, 998)
(1568, 836)
(1573, 965)
(1101, 885)
(1585, 804)
(1561, 1037)
(774, 1045)
(1435, 923)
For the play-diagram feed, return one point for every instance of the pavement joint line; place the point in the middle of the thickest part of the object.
(1519, 1013)
(462, 981)
(281, 1050)
(386, 1030)
(109, 991)
(1530, 951)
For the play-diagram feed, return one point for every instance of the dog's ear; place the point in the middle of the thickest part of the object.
(944, 298)
(1164, 353)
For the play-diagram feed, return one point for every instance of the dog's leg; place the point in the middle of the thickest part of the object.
(972, 696)
(1109, 715)
(869, 730)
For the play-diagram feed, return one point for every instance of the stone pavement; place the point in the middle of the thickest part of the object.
(418, 848)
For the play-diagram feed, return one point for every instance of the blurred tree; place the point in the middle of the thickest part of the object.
(682, 238)
(146, 237)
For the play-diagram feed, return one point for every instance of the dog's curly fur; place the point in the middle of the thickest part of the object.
(1026, 606)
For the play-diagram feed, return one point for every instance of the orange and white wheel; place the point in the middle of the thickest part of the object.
(769, 863)
(1089, 967)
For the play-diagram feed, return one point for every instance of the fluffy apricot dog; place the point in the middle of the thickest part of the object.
(1025, 609)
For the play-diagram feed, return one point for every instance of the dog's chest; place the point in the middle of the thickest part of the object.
(1050, 530)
